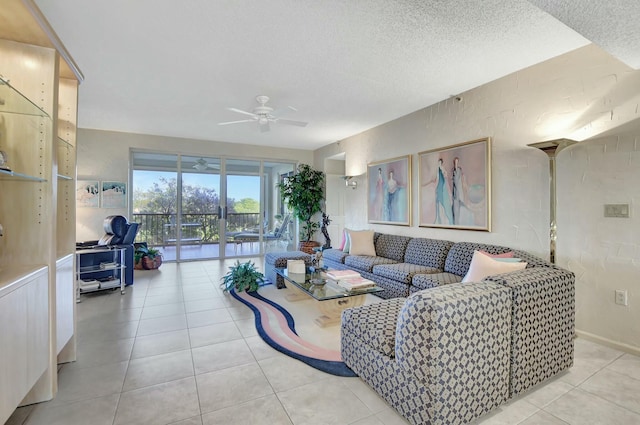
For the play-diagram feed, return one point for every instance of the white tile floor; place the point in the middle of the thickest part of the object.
(176, 350)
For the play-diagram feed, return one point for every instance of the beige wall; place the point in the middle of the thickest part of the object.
(104, 155)
(577, 95)
(603, 252)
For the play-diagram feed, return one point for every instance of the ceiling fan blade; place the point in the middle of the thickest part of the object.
(291, 122)
(234, 122)
(264, 127)
(240, 111)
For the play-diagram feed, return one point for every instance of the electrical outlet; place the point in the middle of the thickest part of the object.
(621, 297)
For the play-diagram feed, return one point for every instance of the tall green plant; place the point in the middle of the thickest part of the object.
(303, 193)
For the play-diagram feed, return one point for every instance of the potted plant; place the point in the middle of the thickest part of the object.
(242, 277)
(147, 258)
(303, 193)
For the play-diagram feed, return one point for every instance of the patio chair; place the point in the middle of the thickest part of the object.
(278, 234)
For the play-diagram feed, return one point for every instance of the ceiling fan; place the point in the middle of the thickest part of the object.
(264, 115)
(202, 165)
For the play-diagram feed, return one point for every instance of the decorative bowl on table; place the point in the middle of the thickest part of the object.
(318, 281)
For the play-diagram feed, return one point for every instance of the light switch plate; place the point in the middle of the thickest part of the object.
(616, 210)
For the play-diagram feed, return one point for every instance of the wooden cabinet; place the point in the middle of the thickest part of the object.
(24, 337)
(65, 309)
(38, 110)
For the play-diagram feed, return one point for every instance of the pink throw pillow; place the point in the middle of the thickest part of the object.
(504, 255)
(344, 240)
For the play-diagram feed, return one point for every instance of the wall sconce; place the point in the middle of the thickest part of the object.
(349, 182)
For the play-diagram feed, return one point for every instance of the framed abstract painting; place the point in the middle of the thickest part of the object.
(114, 194)
(455, 186)
(88, 193)
(389, 191)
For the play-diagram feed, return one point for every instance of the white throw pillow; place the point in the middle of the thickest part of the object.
(361, 243)
(483, 266)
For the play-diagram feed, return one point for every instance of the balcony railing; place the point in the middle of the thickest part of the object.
(161, 229)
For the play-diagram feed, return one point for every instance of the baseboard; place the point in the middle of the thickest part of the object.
(613, 344)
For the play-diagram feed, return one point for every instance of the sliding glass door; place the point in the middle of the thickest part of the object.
(245, 214)
(194, 207)
(155, 194)
(199, 214)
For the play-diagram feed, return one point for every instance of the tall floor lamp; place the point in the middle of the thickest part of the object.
(552, 148)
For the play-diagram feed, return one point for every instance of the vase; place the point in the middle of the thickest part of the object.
(151, 264)
(307, 246)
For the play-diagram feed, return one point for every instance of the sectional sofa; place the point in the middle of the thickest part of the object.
(445, 352)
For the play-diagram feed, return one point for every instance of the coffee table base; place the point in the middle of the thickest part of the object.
(331, 309)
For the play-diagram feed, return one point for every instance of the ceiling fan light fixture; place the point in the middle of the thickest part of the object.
(201, 165)
(264, 115)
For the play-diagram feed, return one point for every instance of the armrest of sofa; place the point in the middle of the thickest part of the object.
(543, 323)
(456, 340)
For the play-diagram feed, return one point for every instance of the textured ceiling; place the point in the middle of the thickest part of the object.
(613, 25)
(172, 68)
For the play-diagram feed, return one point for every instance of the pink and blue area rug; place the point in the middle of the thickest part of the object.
(277, 328)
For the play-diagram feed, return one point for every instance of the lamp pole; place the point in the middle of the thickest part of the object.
(552, 148)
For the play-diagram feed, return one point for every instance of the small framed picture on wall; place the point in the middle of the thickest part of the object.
(114, 194)
(88, 193)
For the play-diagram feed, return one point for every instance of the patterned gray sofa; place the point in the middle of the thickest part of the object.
(404, 265)
(398, 259)
(451, 352)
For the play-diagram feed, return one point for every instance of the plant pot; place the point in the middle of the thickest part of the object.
(151, 264)
(307, 246)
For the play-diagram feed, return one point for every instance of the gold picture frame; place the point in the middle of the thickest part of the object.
(389, 191)
(455, 186)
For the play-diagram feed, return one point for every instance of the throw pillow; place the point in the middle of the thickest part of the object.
(362, 243)
(483, 266)
(503, 255)
(343, 241)
(347, 241)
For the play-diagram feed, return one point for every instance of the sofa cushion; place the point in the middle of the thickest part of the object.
(532, 260)
(375, 324)
(402, 272)
(482, 266)
(455, 332)
(427, 252)
(425, 281)
(461, 253)
(335, 255)
(392, 246)
(361, 243)
(365, 262)
(279, 259)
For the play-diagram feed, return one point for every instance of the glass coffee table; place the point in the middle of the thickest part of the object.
(332, 298)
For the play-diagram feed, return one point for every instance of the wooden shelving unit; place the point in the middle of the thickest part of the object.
(38, 109)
